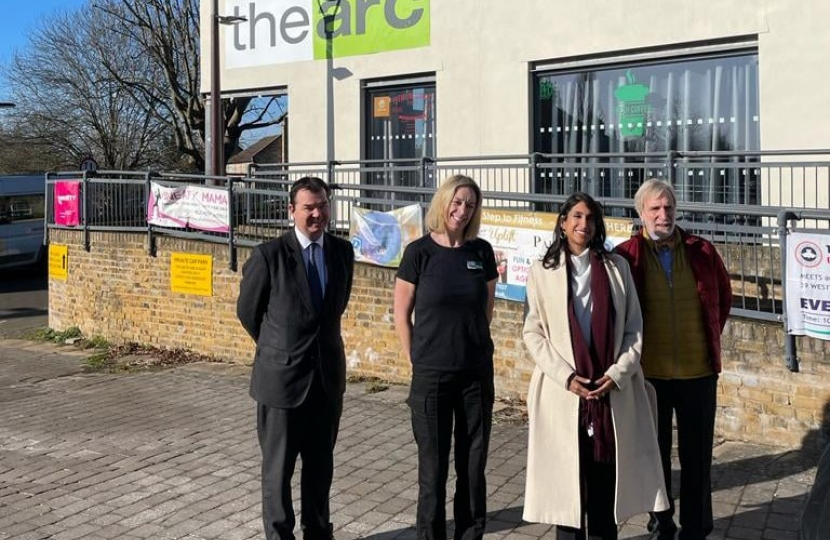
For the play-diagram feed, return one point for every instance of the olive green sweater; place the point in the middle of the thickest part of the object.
(674, 339)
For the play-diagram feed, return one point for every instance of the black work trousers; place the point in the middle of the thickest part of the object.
(598, 485)
(440, 402)
(694, 402)
(308, 431)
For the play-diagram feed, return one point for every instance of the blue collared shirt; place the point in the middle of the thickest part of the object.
(319, 261)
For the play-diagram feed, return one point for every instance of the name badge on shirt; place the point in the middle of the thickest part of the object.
(475, 265)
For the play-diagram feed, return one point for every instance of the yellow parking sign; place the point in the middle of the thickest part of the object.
(58, 261)
(191, 273)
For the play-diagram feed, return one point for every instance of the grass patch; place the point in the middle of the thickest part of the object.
(134, 357)
(110, 358)
(98, 362)
(374, 385)
(39, 334)
(70, 335)
(360, 379)
(97, 342)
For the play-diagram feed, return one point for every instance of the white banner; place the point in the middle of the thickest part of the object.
(808, 285)
(197, 207)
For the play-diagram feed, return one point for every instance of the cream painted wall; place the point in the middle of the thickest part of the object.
(481, 53)
(795, 77)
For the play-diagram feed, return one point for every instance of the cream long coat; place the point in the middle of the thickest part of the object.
(553, 469)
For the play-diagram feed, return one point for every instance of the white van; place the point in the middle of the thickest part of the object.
(21, 219)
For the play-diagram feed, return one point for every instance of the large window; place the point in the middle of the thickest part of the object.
(400, 131)
(685, 104)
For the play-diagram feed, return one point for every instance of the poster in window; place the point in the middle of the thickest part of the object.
(381, 107)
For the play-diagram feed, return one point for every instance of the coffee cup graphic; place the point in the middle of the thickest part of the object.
(631, 106)
(380, 236)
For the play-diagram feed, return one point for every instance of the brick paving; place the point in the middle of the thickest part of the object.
(172, 454)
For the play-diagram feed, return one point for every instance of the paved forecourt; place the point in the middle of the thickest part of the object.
(172, 454)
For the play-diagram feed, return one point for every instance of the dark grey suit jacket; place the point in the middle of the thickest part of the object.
(294, 344)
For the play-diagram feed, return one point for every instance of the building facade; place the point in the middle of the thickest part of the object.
(411, 79)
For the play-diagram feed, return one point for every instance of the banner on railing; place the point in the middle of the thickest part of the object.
(197, 207)
(808, 285)
(67, 197)
(380, 237)
(520, 238)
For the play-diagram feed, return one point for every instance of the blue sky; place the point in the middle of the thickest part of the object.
(21, 19)
(27, 16)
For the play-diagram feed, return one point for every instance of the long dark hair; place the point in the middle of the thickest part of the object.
(560, 243)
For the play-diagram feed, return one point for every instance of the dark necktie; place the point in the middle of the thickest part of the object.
(314, 284)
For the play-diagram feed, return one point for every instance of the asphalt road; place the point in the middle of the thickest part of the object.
(24, 301)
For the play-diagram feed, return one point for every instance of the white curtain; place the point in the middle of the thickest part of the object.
(696, 105)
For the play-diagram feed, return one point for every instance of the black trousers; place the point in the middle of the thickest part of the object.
(815, 521)
(598, 484)
(308, 431)
(437, 402)
(694, 402)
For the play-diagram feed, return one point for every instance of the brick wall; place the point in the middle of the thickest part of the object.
(121, 293)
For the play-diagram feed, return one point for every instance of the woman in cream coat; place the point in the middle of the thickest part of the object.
(562, 485)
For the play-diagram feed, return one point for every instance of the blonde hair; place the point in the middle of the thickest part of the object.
(440, 204)
(650, 189)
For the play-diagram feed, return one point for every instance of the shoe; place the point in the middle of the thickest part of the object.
(651, 526)
(661, 531)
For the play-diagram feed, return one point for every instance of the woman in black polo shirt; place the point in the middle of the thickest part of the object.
(448, 279)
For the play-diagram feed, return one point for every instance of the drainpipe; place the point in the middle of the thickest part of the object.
(790, 351)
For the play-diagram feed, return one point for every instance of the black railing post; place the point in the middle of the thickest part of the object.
(422, 180)
(532, 162)
(151, 237)
(248, 197)
(46, 206)
(790, 349)
(331, 166)
(231, 226)
(85, 205)
(671, 174)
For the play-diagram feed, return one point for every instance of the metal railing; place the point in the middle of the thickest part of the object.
(731, 199)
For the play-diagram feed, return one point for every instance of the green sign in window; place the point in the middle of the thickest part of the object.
(631, 102)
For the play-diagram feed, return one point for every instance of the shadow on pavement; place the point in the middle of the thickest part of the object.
(17, 313)
(24, 279)
(775, 505)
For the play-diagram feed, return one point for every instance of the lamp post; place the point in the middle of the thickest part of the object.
(7, 105)
(217, 130)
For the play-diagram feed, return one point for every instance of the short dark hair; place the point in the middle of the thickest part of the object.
(311, 183)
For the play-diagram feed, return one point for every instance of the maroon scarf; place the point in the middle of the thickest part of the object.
(594, 359)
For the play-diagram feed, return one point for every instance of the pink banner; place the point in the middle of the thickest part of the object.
(67, 203)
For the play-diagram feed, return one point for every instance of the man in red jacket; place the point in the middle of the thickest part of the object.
(685, 296)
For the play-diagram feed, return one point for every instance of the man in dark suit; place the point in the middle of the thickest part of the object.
(293, 293)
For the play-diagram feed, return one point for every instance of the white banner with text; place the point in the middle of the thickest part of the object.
(808, 285)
